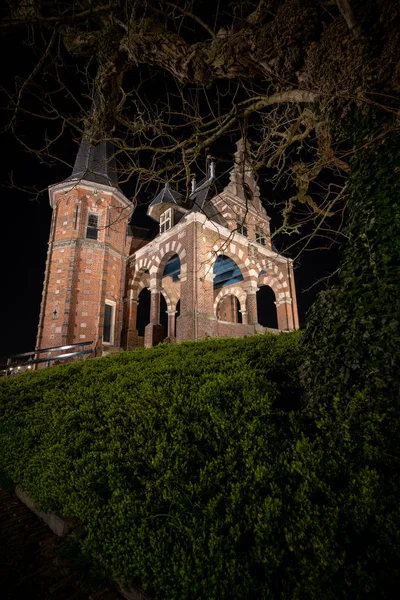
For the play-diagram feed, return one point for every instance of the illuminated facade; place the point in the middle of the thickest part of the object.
(202, 275)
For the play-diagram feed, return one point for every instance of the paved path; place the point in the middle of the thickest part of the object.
(30, 564)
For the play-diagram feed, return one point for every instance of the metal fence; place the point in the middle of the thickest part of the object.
(20, 363)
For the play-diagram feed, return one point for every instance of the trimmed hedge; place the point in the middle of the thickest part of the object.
(178, 460)
(197, 477)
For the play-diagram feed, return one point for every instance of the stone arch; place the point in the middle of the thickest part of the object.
(231, 290)
(274, 276)
(136, 282)
(278, 286)
(229, 305)
(165, 252)
(271, 274)
(237, 254)
(167, 299)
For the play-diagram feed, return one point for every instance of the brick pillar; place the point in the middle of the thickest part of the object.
(132, 332)
(171, 323)
(154, 332)
(292, 289)
(252, 305)
(285, 314)
(206, 321)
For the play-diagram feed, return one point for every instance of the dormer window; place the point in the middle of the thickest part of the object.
(166, 220)
(241, 227)
(260, 236)
(92, 227)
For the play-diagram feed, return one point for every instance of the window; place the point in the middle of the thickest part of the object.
(92, 227)
(241, 227)
(109, 319)
(166, 220)
(108, 228)
(248, 194)
(260, 236)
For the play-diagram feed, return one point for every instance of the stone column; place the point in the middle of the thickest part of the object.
(245, 317)
(154, 332)
(155, 293)
(171, 324)
(251, 303)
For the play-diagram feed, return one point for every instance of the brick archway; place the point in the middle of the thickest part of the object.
(167, 299)
(274, 277)
(230, 290)
(163, 255)
(238, 255)
(135, 281)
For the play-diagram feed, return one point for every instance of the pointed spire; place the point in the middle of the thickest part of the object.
(96, 164)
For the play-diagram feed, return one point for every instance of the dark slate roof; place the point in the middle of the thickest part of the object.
(201, 196)
(96, 164)
(167, 196)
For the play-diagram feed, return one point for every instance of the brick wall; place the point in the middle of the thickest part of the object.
(82, 274)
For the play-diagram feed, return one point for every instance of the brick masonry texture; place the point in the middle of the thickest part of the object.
(83, 275)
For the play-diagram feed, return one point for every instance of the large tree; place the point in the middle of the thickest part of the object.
(166, 81)
(316, 85)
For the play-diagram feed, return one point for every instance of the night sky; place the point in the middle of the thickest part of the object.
(26, 222)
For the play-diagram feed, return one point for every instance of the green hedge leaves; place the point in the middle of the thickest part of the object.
(171, 457)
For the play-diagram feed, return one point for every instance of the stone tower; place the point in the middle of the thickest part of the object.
(86, 260)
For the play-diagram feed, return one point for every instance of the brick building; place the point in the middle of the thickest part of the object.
(201, 275)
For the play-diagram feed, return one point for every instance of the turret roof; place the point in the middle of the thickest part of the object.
(96, 164)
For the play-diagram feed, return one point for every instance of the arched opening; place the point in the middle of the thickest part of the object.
(164, 314)
(143, 311)
(228, 309)
(172, 268)
(266, 307)
(226, 272)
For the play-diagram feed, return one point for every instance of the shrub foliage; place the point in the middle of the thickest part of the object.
(198, 475)
(176, 459)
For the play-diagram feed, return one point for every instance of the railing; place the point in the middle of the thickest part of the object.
(15, 365)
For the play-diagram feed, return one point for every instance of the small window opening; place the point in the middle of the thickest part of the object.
(241, 227)
(92, 227)
(260, 236)
(166, 220)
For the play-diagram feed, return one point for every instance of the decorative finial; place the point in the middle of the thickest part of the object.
(212, 169)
